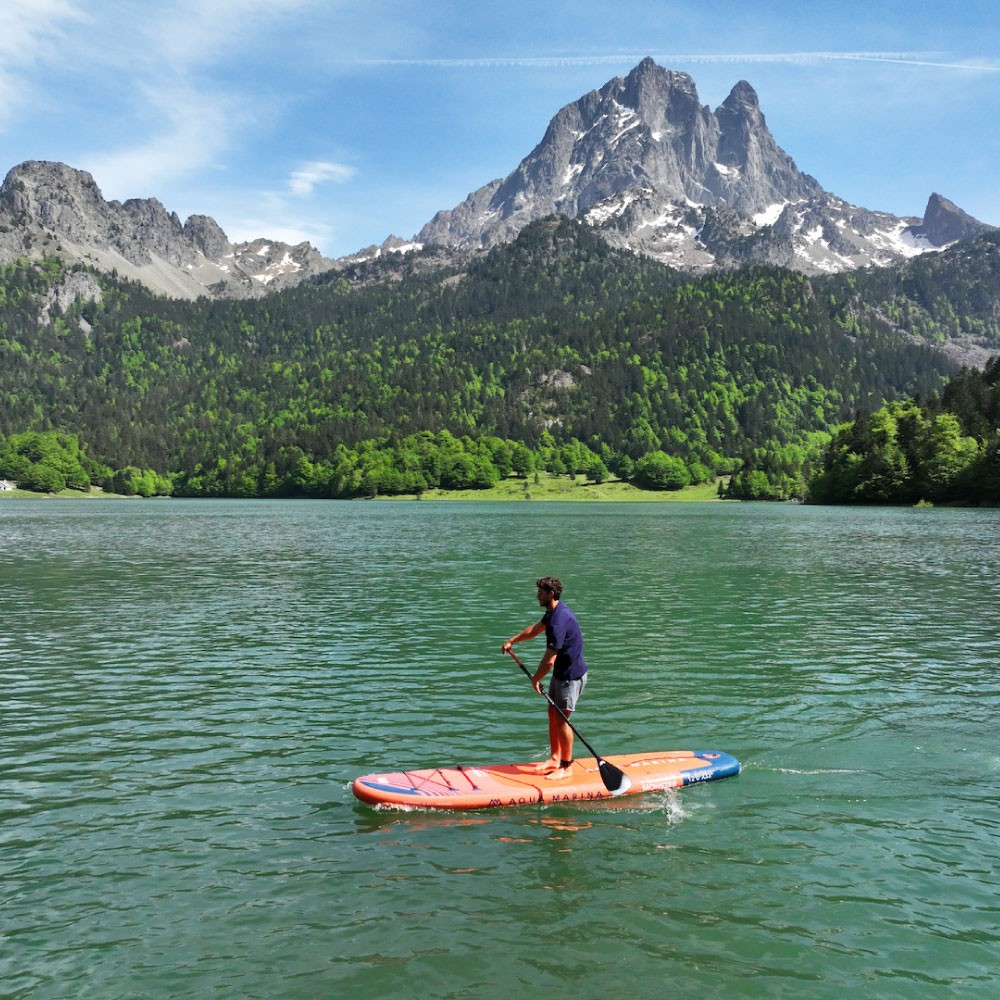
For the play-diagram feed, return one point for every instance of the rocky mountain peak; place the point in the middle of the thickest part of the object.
(53, 194)
(657, 172)
(944, 223)
(59, 202)
(659, 96)
(641, 147)
(640, 159)
(741, 96)
(53, 208)
(207, 235)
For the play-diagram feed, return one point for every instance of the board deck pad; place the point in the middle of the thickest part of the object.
(498, 785)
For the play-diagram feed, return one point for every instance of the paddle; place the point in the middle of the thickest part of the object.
(615, 781)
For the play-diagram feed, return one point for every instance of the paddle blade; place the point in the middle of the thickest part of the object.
(615, 781)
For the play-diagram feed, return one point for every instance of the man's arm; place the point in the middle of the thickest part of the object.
(548, 660)
(523, 636)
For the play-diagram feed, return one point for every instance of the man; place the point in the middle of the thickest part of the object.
(564, 657)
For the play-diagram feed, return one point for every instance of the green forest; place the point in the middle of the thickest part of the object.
(554, 353)
(944, 451)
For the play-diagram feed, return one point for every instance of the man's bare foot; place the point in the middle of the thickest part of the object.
(545, 766)
(559, 774)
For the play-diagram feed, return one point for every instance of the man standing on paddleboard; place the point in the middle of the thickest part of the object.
(564, 657)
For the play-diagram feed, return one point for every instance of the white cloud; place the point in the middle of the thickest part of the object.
(243, 229)
(304, 181)
(171, 73)
(186, 133)
(28, 25)
(32, 33)
(199, 32)
(277, 213)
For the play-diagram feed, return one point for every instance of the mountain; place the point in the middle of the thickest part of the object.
(655, 171)
(52, 209)
(553, 337)
(641, 160)
(948, 300)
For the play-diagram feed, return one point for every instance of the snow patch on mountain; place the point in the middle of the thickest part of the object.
(770, 215)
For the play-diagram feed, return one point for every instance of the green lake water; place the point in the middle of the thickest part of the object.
(187, 690)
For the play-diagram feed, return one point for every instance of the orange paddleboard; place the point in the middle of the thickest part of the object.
(520, 785)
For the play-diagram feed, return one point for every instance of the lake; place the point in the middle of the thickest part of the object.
(187, 689)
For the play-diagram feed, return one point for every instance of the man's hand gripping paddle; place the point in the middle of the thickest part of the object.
(615, 781)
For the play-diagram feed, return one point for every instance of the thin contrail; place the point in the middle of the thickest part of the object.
(932, 60)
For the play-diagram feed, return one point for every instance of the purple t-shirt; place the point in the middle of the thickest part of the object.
(562, 633)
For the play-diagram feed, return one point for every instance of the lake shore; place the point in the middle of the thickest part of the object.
(546, 488)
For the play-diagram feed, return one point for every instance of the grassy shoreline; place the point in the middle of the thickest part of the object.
(551, 487)
(94, 493)
(547, 488)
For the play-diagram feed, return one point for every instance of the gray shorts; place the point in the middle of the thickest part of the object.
(566, 693)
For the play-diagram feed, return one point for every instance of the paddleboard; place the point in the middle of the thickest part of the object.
(519, 785)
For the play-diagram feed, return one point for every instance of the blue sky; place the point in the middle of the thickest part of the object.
(342, 122)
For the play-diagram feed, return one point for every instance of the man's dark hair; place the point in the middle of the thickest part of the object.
(552, 584)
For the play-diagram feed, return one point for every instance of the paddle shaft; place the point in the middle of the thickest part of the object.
(565, 719)
(615, 781)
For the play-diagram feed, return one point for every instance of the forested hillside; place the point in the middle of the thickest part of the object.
(948, 299)
(945, 449)
(554, 344)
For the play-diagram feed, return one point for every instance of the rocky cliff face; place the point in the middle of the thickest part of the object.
(646, 163)
(50, 208)
(641, 160)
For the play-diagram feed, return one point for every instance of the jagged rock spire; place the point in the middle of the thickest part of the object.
(646, 135)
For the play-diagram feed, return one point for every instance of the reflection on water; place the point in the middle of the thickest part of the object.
(188, 688)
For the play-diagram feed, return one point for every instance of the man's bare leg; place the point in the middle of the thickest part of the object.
(561, 735)
(556, 724)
